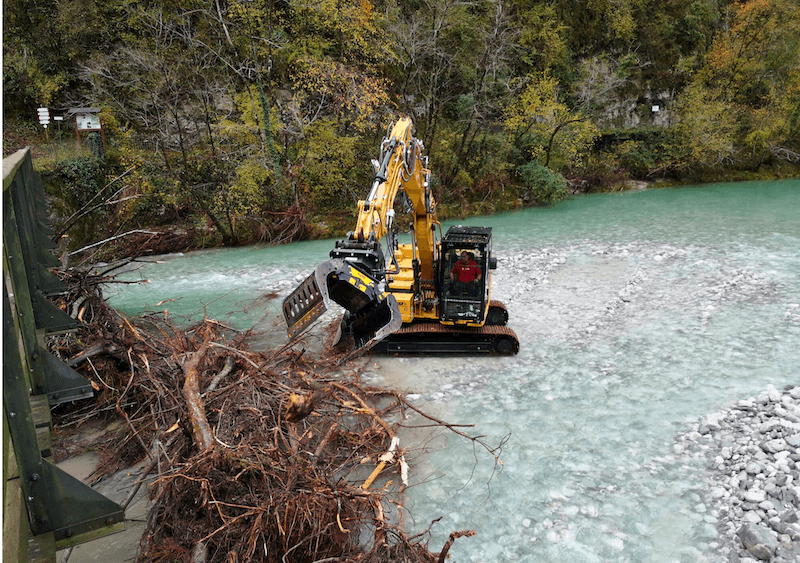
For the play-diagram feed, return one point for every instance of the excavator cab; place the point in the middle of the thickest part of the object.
(465, 267)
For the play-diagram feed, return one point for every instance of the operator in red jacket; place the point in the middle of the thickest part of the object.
(466, 270)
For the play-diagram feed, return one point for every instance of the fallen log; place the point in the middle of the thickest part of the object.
(203, 435)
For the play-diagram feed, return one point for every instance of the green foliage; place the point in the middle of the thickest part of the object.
(77, 180)
(747, 91)
(155, 195)
(481, 172)
(706, 128)
(330, 174)
(18, 134)
(76, 185)
(636, 158)
(506, 96)
(542, 37)
(44, 41)
(544, 127)
(542, 185)
(348, 93)
(253, 190)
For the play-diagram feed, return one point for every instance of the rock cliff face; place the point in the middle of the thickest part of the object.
(754, 479)
(646, 109)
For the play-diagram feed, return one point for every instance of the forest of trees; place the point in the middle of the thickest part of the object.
(256, 119)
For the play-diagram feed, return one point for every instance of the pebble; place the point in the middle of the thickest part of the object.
(753, 494)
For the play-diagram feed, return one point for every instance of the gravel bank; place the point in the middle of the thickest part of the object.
(754, 480)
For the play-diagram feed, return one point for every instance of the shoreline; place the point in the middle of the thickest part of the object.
(753, 446)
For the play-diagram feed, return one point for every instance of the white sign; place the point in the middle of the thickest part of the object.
(44, 116)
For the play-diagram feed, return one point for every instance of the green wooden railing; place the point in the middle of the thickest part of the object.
(44, 508)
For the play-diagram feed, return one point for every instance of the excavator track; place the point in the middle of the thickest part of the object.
(435, 338)
(498, 314)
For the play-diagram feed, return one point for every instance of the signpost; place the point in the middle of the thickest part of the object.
(44, 119)
(87, 121)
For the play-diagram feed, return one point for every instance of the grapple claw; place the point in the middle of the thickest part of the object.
(372, 314)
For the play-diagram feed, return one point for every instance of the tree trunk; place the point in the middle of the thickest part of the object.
(203, 435)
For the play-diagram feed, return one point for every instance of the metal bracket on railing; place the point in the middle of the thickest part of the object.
(25, 190)
(56, 502)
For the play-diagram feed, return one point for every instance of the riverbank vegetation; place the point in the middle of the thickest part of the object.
(236, 122)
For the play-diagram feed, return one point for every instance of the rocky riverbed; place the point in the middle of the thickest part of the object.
(754, 475)
(625, 344)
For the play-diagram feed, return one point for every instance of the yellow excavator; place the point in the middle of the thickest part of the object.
(432, 295)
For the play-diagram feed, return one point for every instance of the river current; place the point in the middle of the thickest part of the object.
(637, 313)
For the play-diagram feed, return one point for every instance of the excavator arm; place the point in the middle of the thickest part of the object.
(355, 276)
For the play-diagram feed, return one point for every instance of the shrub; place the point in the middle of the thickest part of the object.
(74, 184)
(542, 185)
(636, 158)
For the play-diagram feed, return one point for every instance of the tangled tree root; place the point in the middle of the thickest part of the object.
(258, 456)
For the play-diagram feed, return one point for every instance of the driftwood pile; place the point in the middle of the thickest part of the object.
(255, 456)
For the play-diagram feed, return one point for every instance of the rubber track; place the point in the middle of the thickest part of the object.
(498, 304)
(420, 335)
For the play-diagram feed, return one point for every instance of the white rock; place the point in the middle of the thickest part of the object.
(718, 492)
(777, 445)
(752, 517)
(712, 421)
(766, 505)
(755, 496)
(769, 425)
(753, 468)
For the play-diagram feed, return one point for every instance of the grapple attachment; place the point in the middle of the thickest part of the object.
(371, 314)
(303, 306)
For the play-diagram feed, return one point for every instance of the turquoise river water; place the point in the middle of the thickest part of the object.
(637, 313)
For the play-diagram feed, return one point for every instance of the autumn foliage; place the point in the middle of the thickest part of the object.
(224, 114)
